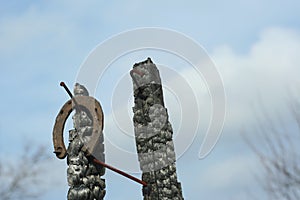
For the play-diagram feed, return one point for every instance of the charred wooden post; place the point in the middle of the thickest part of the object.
(85, 144)
(153, 134)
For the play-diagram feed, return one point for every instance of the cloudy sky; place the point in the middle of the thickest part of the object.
(254, 45)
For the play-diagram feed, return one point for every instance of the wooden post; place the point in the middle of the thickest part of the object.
(153, 134)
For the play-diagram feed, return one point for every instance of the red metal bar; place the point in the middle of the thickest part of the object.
(120, 172)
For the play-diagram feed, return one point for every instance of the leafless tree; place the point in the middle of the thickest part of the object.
(21, 178)
(276, 144)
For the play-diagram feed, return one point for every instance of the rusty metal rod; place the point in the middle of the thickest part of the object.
(120, 172)
(100, 162)
(70, 94)
(66, 88)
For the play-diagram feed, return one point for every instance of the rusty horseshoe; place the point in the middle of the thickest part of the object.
(93, 108)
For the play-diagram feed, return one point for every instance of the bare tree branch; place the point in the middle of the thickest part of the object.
(277, 152)
(23, 179)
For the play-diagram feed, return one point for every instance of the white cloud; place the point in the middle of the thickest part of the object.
(263, 74)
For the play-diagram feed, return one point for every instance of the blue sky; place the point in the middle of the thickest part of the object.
(254, 45)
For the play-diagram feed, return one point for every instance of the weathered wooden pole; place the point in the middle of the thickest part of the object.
(85, 145)
(153, 134)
